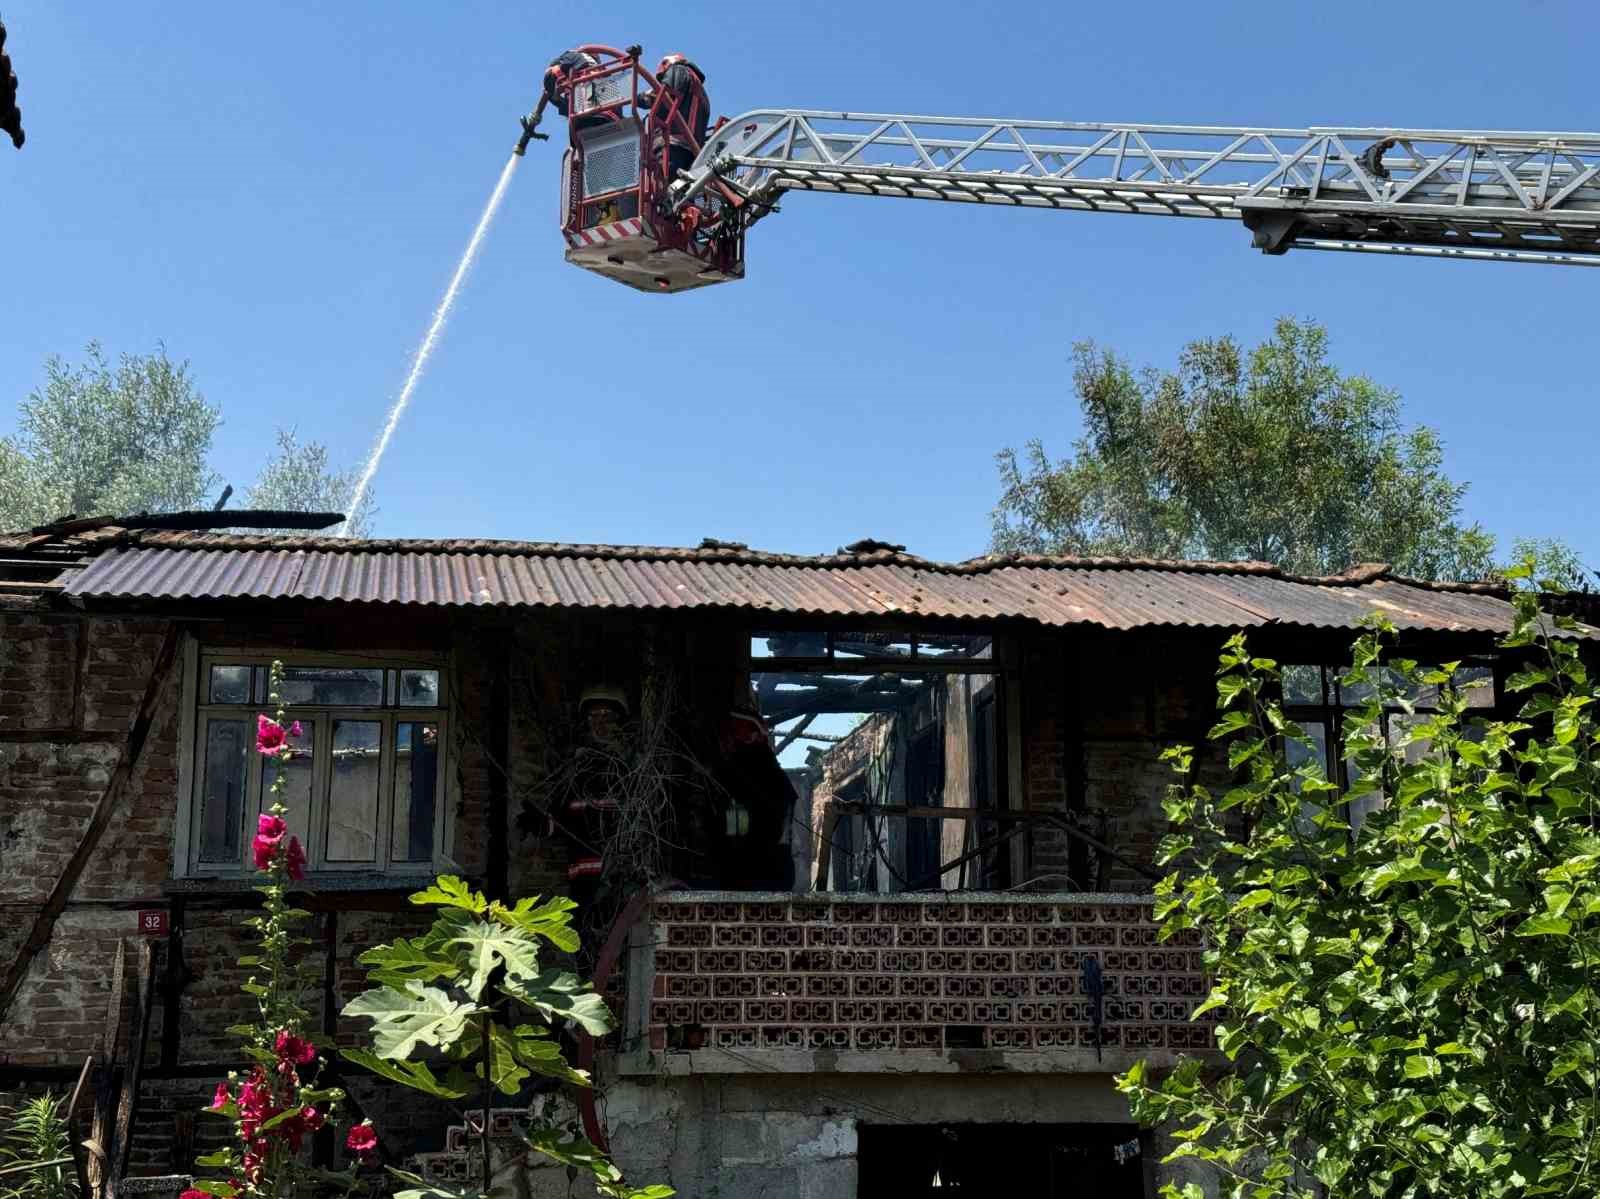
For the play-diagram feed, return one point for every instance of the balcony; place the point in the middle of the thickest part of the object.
(764, 982)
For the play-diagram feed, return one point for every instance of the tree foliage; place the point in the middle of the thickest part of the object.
(299, 478)
(98, 437)
(1273, 455)
(1412, 1011)
(103, 438)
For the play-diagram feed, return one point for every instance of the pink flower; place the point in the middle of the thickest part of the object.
(220, 1100)
(362, 1141)
(311, 1118)
(295, 730)
(294, 1049)
(297, 860)
(270, 737)
(269, 837)
(191, 1193)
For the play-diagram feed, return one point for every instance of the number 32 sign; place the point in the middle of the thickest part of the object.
(153, 923)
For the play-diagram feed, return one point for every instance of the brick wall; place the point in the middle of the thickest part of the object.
(913, 973)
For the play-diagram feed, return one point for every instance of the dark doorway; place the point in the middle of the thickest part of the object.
(1042, 1161)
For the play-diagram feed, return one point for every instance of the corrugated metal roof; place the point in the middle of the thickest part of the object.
(876, 582)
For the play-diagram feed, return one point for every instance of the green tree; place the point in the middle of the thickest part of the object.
(98, 437)
(1410, 1012)
(113, 439)
(298, 478)
(1552, 562)
(1273, 455)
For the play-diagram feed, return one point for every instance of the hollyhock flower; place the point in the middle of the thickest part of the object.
(191, 1193)
(294, 1049)
(297, 860)
(270, 735)
(221, 1099)
(269, 835)
(253, 1158)
(362, 1141)
(311, 1117)
(295, 730)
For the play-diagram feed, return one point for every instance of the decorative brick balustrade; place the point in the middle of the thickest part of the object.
(748, 973)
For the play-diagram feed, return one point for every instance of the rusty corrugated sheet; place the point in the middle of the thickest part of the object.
(1052, 592)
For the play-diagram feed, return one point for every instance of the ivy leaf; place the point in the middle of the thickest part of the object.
(416, 1075)
(404, 1019)
(448, 891)
(557, 994)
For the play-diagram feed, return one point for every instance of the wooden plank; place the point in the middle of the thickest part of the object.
(110, 799)
(824, 860)
(74, 1139)
(127, 1103)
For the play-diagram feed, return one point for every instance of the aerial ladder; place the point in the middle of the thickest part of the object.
(1447, 193)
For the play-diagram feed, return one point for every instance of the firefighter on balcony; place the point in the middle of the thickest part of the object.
(563, 67)
(679, 113)
(589, 817)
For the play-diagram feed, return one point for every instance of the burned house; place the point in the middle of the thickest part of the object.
(844, 827)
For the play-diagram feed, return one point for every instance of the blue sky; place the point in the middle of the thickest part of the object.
(280, 193)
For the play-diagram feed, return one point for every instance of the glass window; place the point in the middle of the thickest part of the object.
(416, 786)
(331, 686)
(357, 757)
(230, 684)
(362, 782)
(296, 772)
(1302, 684)
(223, 774)
(419, 689)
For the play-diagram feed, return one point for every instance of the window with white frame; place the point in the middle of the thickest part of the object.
(365, 777)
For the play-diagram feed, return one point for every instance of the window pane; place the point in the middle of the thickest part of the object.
(416, 787)
(296, 772)
(332, 685)
(1298, 754)
(419, 689)
(227, 746)
(1302, 685)
(353, 792)
(1477, 684)
(230, 685)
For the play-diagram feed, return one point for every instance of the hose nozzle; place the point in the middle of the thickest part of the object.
(529, 125)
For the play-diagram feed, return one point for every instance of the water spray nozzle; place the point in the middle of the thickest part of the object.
(529, 125)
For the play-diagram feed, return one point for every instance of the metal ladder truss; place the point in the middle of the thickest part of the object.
(1508, 196)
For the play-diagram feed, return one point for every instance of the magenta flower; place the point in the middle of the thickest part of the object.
(270, 735)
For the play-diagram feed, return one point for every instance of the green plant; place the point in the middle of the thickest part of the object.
(470, 995)
(277, 1103)
(1410, 1011)
(1270, 453)
(35, 1150)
